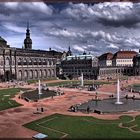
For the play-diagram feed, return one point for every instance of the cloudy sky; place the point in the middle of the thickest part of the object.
(95, 28)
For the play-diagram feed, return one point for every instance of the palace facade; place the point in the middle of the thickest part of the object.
(73, 66)
(107, 65)
(26, 63)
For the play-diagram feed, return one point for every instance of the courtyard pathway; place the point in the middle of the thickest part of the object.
(11, 120)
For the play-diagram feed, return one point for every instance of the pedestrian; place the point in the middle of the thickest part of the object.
(42, 109)
(133, 97)
(88, 109)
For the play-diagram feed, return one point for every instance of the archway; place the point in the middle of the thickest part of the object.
(49, 73)
(53, 73)
(45, 73)
(31, 74)
(7, 75)
(20, 75)
(36, 74)
(26, 74)
(7, 61)
(40, 73)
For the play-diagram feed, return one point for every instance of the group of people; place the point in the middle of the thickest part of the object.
(41, 109)
(74, 108)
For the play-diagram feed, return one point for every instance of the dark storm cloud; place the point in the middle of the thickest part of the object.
(127, 23)
(94, 28)
(109, 14)
(118, 15)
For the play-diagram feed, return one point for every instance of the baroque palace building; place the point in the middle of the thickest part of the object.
(26, 63)
(107, 65)
(73, 66)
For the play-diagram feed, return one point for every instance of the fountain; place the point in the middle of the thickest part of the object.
(39, 89)
(118, 93)
(39, 93)
(112, 105)
(82, 81)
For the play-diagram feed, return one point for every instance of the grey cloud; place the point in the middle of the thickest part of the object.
(83, 25)
(109, 14)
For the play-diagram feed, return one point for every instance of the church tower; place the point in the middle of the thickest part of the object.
(69, 53)
(28, 40)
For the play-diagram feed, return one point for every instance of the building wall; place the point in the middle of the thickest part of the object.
(122, 62)
(114, 72)
(103, 63)
(75, 67)
(35, 68)
(22, 66)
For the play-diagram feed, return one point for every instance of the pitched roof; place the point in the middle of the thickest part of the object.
(106, 56)
(124, 55)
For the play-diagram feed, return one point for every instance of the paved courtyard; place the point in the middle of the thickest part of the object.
(11, 120)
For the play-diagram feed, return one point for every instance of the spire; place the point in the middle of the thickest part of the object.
(69, 53)
(27, 25)
(28, 40)
(84, 53)
(69, 48)
(28, 30)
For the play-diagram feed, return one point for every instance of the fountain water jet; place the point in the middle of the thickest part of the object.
(118, 93)
(82, 81)
(39, 88)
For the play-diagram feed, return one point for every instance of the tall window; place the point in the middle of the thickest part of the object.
(19, 61)
(7, 62)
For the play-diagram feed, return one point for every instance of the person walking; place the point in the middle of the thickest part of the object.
(88, 109)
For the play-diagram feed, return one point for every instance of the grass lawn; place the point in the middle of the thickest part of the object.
(36, 81)
(5, 98)
(135, 87)
(58, 126)
(60, 83)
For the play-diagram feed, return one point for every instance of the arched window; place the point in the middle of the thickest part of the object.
(7, 61)
(53, 72)
(44, 62)
(26, 74)
(40, 73)
(30, 61)
(19, 61)
(40, 62)
(35, 62)
(25, 61)
(31, 74)
(36, 73)
(50, 62)
(20, 75)
(45, 73)
(49, 73)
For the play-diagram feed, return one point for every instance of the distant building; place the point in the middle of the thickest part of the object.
(123, 58)
(107, 65)
(122, 64)
(73, 66)
(114, 72)
(26, 63)
(105, 59)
